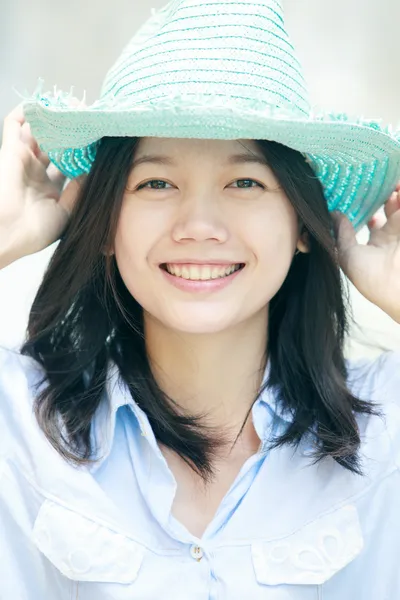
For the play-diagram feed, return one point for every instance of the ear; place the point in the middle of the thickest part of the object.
(108, 251)
(303, 243)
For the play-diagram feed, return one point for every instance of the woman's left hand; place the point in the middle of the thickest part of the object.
(374, 268)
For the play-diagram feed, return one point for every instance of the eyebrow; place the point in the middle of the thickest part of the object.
(232, 160)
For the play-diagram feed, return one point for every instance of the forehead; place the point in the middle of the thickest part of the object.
(192, 146)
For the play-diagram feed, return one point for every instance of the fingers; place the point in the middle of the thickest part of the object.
(44, 159)
(12, 125)
(345, 233)
(393, 203)
(28, 139)
(392, 225)
(55, 175)
(69, 196)
(17, 129)
(377, 221)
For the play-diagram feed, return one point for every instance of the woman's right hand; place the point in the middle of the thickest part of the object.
(34, 209)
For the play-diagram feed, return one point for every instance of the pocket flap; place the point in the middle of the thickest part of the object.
(84, 550)
(311, 555)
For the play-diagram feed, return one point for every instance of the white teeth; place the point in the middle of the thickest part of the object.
(197, 272)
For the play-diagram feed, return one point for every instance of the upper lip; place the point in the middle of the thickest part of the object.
(194, 261)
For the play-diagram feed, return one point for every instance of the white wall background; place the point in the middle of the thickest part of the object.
(350, 51)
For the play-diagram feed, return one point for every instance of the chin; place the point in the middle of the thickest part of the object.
(204, 330)
(198, 324)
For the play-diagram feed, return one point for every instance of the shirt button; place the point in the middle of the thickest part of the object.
(79, 561)
(196, 552)
(308, 451)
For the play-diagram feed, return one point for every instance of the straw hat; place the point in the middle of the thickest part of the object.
(220, 69)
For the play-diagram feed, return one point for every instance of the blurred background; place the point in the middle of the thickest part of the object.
(351, 58)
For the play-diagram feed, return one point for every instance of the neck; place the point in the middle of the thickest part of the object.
(218, 374)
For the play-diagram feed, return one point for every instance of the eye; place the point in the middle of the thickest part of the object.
(161, 181)
(249, 181)
(144, 185)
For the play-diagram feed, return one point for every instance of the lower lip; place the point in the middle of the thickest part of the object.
(209, 285)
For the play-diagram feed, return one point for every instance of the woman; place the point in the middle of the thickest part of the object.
(181, 421)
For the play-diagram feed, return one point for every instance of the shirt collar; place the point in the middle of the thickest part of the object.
(117, 395)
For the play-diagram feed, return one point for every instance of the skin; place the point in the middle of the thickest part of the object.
(206, 348)
(374, 268)
(213, 346)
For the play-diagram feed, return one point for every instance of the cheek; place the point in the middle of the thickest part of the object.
(272, 233)
(273, 239)
(138, 233)
(131, 257)
(133, 241)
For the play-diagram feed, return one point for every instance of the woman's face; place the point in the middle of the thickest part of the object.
(205, 213)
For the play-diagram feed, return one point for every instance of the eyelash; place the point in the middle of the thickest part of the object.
(143, 185)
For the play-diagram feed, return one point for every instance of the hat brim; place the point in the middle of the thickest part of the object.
(358, 163)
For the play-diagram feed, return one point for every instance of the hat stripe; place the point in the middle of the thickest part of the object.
(128, 51)
(206, 5)
(133, 50)
(347, 188)
(366, 180)
(370, 178)
(385, 173)
(128, 60)
(276, 32)
(368, 145)
(227, 24)
(218, 27)
(261, 5)
(226, 72)
(248, 85)
(184, 40)
(127, 70)
(113, 75)
(334, 174)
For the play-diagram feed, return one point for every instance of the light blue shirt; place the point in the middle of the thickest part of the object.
(286, 529)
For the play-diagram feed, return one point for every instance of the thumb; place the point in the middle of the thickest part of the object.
(70, 194)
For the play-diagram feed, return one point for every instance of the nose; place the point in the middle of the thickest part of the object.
(199, 218)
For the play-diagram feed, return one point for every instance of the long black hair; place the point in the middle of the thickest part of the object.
(83, 316)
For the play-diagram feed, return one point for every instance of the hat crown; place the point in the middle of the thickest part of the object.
(234, 52)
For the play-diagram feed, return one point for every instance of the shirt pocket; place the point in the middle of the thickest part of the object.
(311, 555)
(84, 550)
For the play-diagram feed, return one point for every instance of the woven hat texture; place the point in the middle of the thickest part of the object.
(220, 69)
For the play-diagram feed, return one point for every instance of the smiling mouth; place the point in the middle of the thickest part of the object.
(201, 272)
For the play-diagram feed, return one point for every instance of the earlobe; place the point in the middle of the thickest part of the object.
(302, 247)
(303, 243)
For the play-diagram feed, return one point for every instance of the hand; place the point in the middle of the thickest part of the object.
(33, 209)
(374, 268)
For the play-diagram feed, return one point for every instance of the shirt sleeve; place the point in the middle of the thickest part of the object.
(379, 380)
(17, 375)
(388, 390)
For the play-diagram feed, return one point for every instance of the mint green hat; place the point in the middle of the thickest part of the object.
(220, 69)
